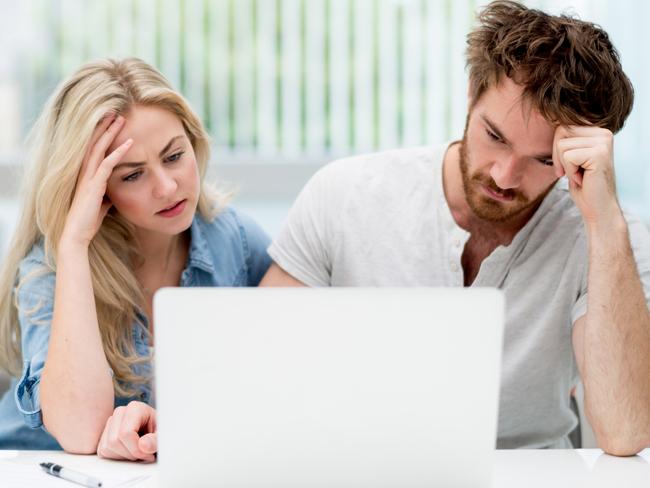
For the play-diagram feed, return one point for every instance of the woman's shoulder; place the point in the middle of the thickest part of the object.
(35, 273)
(230, 241)
(230, 226)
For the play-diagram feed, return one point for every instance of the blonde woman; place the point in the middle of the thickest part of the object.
(115, 208)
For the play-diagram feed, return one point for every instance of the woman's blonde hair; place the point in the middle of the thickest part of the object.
(58, 143)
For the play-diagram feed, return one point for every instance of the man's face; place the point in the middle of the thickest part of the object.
(505, 155)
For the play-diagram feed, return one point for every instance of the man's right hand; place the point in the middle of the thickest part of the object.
(130, 433)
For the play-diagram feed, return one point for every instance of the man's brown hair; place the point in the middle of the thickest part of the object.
(568, 68)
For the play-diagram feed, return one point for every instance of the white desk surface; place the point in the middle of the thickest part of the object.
(513, 469)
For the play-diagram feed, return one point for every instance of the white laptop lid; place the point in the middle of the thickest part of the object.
(329, 387)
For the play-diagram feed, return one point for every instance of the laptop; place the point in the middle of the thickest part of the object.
(327, 388)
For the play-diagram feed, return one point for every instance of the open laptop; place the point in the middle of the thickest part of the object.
(330, 387)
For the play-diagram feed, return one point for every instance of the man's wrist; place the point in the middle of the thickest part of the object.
(607, 237)
(609, 224)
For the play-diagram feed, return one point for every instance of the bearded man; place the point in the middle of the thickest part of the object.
(525, 202)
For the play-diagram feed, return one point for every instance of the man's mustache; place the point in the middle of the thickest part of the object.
(491, 184)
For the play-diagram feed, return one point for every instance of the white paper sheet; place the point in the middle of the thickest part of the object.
(18, 474)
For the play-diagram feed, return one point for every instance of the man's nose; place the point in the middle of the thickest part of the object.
(507, 172)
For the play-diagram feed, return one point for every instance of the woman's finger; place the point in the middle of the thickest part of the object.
(98, 152)
(108, 164)
(149, 443)
(114, 442)
(103, 449)
(101, 127)
(135, 418)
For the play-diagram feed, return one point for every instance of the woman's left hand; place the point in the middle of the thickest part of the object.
(130, 433)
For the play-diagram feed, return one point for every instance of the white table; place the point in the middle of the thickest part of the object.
(580, 468)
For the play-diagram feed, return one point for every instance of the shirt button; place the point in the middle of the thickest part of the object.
(456, 242)
(454, 267)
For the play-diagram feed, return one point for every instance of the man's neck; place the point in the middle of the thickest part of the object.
(499, 233)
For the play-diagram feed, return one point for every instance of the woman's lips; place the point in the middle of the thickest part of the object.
(174, 210)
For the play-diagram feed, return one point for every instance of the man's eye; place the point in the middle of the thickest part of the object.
(546, 162)
(132, 176)
(492, 135)
(175, 157)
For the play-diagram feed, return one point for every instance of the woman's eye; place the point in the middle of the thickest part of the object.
(175, 157)
(132, 176)
(546, 162)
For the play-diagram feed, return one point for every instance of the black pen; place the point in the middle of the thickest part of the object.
(71, 475)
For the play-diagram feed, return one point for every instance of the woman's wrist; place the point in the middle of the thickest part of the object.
(69, 246)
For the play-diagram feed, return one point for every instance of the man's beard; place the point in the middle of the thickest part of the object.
(486, 208)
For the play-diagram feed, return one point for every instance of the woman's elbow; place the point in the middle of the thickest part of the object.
(77, 434)
(79, 445)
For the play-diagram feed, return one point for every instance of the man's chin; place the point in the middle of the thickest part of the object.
(491, 211)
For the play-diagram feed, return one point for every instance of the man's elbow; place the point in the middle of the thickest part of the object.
(276, 276)
(620, 443)
(621, 446)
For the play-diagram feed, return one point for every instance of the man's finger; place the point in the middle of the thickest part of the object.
(557, 165)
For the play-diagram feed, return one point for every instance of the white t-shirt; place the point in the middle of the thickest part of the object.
(382, 220)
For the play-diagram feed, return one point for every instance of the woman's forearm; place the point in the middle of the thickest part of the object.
(76, 386)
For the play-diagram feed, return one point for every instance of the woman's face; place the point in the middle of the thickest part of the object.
(156, 186)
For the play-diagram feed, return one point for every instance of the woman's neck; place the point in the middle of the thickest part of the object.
(159, 251)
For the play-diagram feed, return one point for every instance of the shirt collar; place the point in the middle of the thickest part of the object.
(199, 255)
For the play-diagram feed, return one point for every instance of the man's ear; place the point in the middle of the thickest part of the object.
(472, 90)
(471, 99)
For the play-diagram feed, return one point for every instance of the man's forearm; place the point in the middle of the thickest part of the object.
(616, 368)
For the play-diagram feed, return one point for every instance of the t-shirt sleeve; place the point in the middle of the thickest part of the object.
(35, 300)
(256, 241)
(640, 242)
(303, 246)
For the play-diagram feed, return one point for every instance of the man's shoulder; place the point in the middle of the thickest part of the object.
(392, 158)
(562, 222)
(366, 173)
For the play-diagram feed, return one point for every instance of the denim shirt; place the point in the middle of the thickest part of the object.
(229, 251)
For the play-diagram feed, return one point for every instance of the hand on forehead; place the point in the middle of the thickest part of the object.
(151, 129)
